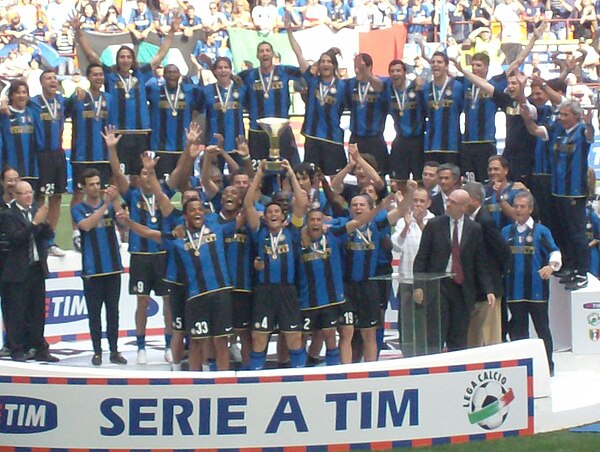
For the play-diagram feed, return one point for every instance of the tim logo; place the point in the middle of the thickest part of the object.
(26, 415)
(65, 306)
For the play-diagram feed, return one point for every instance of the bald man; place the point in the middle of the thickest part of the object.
(27, 232)
(453, 243)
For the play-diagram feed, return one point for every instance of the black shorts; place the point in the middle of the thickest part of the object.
(406, 157)
(258, 143)
(146, 273)
(375, 146)
(321, 319)
(327, 155)
(474, 160)
(209, 315)
(443, 157)
(363, 297)
(53, 173)
(177, 299)
(242, 309)
(129, 149)
(81, 167)
(276, 307)
(166, 164)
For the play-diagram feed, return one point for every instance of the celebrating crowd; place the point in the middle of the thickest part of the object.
(296, 248)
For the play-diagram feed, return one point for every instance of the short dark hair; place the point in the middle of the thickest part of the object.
(89, 173)
(431, 164)
(305, 168)
(6, 170)
(441, 55)
(49, 70)
(264, 42)
(499, 158)
(396, 62)
(188, 202)
(90, 67)
(368, 59)
(483, 57)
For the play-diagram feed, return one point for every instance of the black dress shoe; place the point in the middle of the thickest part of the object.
(45, 357)
(117, 358)
(19, 357)
(97, 359)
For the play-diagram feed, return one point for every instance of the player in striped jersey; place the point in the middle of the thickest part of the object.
(172, 105)
(535, 257)
(126, 83)
(101, 256)
(325, 103)
(268, 95)
(18, 134)
(89, 113)
(49, 109)
(444, 97)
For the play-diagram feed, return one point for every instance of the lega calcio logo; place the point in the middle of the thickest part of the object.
(487, 400)
(26, 415)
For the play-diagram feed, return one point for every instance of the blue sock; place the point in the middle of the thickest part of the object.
(167, 340)
(141, 342)
(298, 357)
(257, 360)
(212, 365)
(332, 357)
(379, 338)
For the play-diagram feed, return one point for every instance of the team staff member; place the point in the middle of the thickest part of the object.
(172, 106)
(406, 106)
(570, 140)
(17, 140)
(325, 102)
(201, 263)
(535, 257)
(25, 269)
(49, 109)
(268, 95)
(444, 97)
(148, 259)
(126, 83)
(101, 265)
(500, 192)
(89, 112)
(366, 100)
(275, 294)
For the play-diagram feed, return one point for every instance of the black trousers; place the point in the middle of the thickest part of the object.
(101, 290)
(541, 189)
(455, 315)
(569, 232)
(25, 310)
(474, 160)
(519, 324)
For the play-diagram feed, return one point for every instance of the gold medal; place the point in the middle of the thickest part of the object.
(274, 256)
(196, 253)
(127, 96)
(224, 108)
(153, 219)
(401, 113)
(437, 107)
(266, 95)
(174, 113)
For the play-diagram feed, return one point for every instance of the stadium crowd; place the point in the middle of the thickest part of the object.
(301, 248)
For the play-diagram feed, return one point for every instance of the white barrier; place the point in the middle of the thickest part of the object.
(396, 403)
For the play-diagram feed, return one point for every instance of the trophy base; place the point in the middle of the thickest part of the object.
(274, 167)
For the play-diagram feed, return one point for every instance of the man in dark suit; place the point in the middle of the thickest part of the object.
(449, 180)
(25, 270)
(453, 243)
(487, 321)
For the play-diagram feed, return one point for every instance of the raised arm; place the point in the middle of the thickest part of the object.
(537, 34)
(111, 139)
(244, 152)
(482, 83)
(367, 217)
(149, 169)
(82, 39)
(185, 165)
(369, 170)
(367, 74)
(208, 165)
(93, 220)
(296, 48)
(166, 44)
(252, 216)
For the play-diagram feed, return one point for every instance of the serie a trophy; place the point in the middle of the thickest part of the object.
(274, 127)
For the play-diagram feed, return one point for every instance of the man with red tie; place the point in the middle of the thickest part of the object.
(453, 243)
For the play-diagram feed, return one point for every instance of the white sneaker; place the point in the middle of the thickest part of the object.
(176, 367)
(55, 251)
(235, 354)
(168, 355)
(141, 357)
